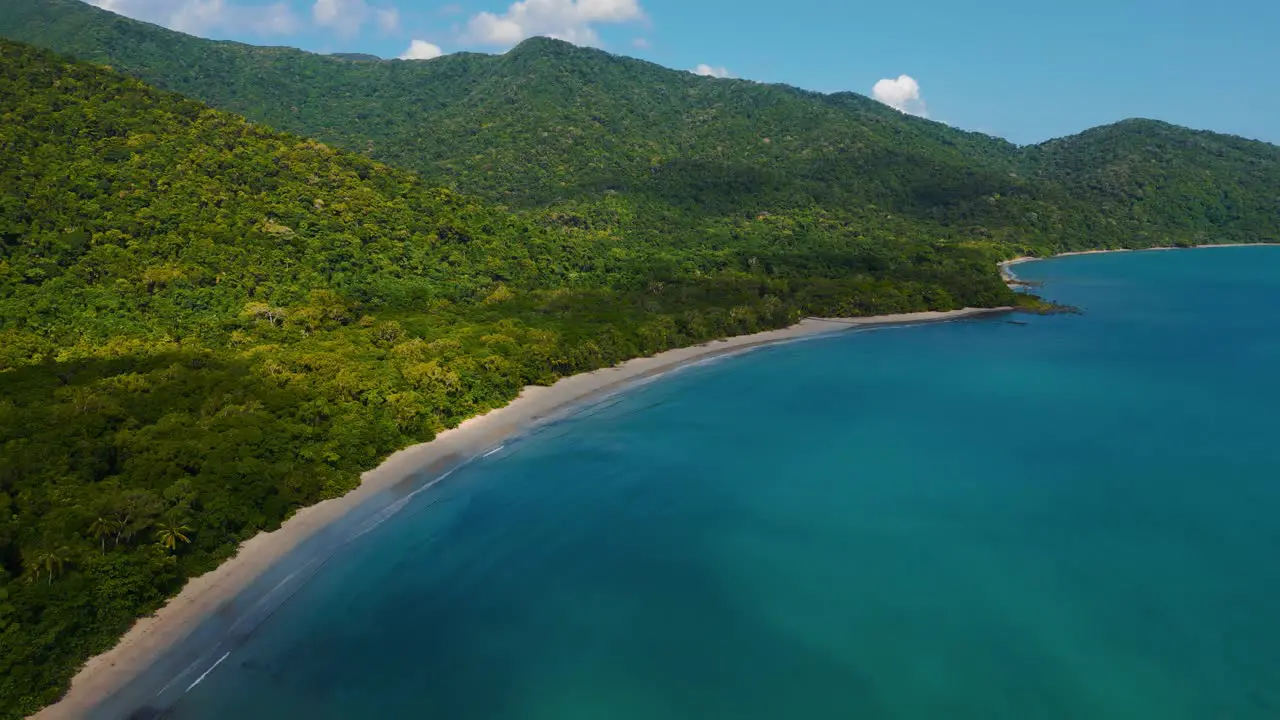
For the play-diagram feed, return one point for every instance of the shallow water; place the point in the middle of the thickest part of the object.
(1075, 517)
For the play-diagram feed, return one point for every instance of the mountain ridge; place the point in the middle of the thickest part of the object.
(664, 155)
(79, 10)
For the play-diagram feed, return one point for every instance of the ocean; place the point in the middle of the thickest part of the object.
(1022, 517)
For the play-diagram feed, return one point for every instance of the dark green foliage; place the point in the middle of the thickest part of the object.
(666, 157)
(1159, 184)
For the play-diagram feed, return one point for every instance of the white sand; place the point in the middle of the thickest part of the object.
(204, 595)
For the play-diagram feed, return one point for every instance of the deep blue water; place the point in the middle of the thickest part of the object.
(1075, 517)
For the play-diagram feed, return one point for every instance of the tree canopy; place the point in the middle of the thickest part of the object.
(665, 156)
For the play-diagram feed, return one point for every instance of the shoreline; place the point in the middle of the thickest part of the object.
(150, 638)
(1014, 282)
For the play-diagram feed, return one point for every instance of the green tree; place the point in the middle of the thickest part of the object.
(50, 562)
(168, 535)
(99, 529)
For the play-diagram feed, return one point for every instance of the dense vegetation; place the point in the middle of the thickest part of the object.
(1160, 184)
(664, 156)
(205, 324)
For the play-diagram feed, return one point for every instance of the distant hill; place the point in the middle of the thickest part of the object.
(356, 57)
(1166, 183)
(655, 152)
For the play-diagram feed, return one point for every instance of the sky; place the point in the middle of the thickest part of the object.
(1026, 70)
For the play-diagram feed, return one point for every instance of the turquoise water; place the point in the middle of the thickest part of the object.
(1075, 517)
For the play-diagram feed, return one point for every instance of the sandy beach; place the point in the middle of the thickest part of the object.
(203, 596)
(1012, 280)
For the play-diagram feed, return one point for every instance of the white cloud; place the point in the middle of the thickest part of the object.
(421, 50)
(715, 71)
(640, 43)
(347, 17)
(570, 20)
(902, 94)
(388, 19)
(340, 14)
(204, 16)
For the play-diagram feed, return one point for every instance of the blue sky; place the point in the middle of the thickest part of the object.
(1027, 70)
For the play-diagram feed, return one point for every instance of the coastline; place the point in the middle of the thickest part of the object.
(1014, 282)
(202, 597)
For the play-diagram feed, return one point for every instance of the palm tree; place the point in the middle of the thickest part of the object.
(100, 529)
(50, 562)
(169, 535)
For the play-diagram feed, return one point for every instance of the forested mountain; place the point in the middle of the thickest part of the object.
(1165, 184)
(647, 151)
(205, 324)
